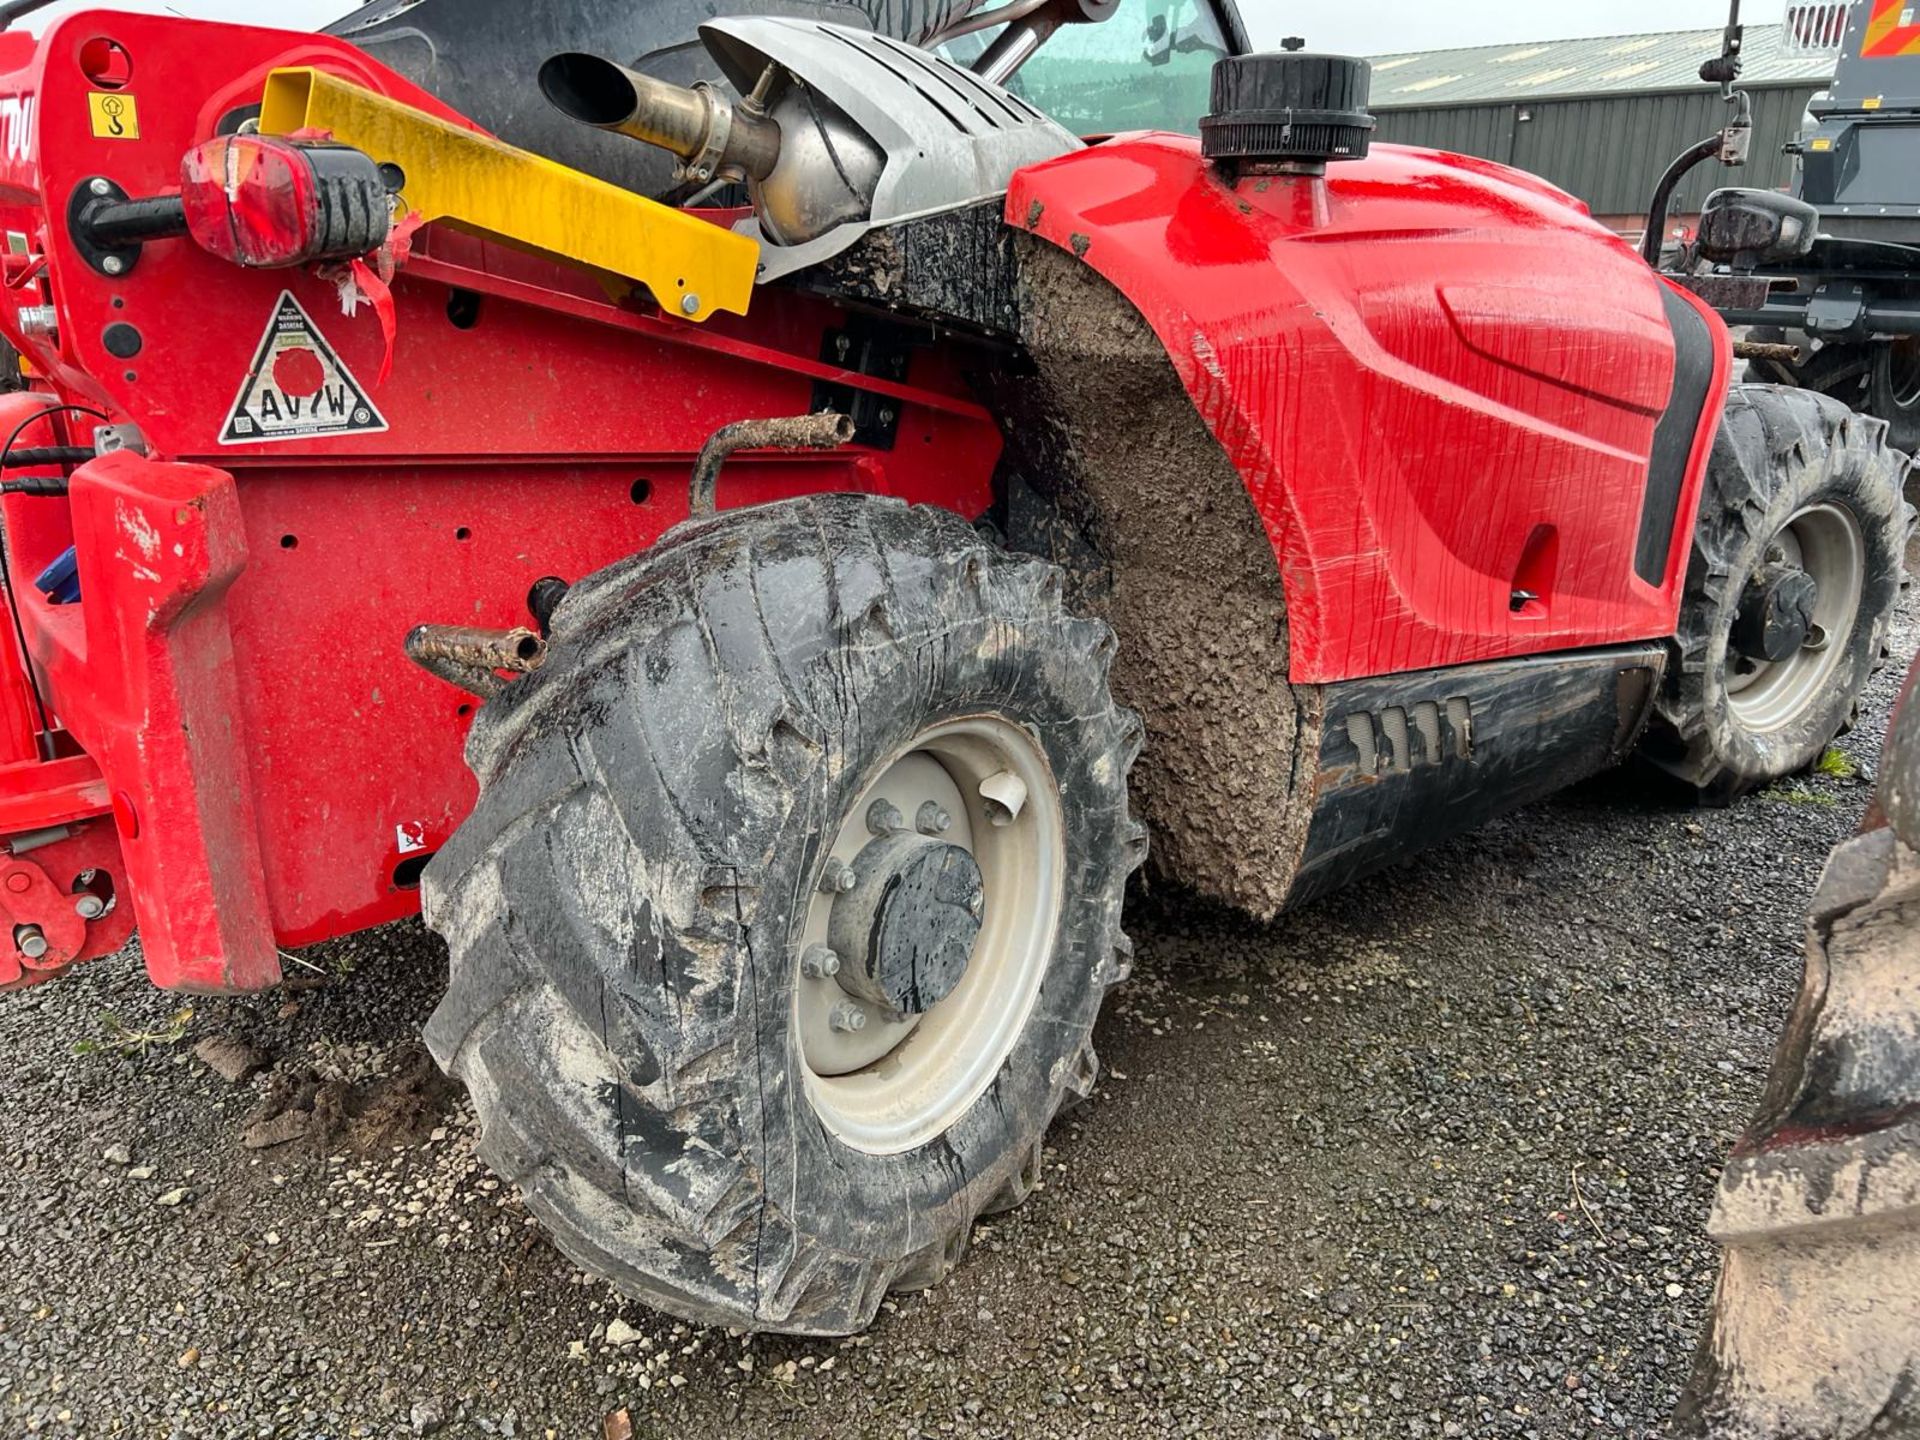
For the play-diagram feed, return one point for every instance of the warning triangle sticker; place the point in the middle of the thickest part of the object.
(298, 388)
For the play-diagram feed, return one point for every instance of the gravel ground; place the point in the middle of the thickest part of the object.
(1429, 1159)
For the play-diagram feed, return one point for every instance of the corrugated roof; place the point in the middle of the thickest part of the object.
(1550, 69)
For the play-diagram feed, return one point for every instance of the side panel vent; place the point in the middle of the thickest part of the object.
(1816, 29)
(1400, 739)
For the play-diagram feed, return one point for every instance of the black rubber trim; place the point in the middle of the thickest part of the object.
(1673, 439)
(1409, 760)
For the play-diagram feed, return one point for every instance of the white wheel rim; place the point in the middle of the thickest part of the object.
(1825, 541)
(899, 1082)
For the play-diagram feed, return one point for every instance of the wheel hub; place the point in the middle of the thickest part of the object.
(906, 930)
(929, 932)
(1796, 618)
(1776, 614)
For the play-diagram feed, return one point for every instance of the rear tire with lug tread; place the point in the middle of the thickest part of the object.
(1795, 478)
(1878, 378)
(1893, 391)
(627, 904)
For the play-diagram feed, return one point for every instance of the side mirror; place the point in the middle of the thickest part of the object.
(1745, 228)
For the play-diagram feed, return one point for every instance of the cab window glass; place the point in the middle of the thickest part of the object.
(1145, 67)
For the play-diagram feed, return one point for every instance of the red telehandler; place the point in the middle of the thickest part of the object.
(714, 510)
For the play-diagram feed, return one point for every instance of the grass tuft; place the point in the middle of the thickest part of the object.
(1837, 764)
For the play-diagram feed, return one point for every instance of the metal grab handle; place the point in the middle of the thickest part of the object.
(823, 431)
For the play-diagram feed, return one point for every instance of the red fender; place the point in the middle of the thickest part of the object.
(1439, 379)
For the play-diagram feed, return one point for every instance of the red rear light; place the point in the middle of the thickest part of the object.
(260, 201)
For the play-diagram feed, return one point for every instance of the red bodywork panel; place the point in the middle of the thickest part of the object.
(1415, 371)
(1438, 377)
(235, 663)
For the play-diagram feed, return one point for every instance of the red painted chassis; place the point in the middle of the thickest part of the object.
(1432, 373)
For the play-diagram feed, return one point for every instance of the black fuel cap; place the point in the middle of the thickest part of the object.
(1292, 108)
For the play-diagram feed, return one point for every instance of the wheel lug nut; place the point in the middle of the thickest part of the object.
(932, 820)
(884, 817)
(847, 1017)
(819, 963)
(838, 878)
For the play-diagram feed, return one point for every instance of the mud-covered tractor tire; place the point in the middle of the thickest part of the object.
(1874, 378)
(1893, 391)
(1795, 480)
(625, 906)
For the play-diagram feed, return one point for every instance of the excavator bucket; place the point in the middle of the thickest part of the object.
(1816, 1324)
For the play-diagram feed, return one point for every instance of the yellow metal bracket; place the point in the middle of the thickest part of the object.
(478, 183)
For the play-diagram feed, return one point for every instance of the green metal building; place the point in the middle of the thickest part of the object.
(1603, 118)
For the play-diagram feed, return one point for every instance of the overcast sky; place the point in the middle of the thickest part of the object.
(1372, 27)
(1381, 27)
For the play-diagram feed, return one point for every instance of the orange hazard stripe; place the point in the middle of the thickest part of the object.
(1891, 30)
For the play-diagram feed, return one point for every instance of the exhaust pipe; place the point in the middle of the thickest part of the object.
(715, 138)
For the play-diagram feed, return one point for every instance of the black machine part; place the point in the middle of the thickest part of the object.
(110, 227)
(18, 9)
(1290, 109)
(1748, 228)
(1457, 747)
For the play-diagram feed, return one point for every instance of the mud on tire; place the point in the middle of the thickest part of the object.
(1874, 378)
(1780, 454)
(624, 903)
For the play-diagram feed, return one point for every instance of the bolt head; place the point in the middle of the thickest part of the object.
(848, 1018)
(99, 186)
(689, 304)
(884, 817)
(819, 963)
(113, 265)
(932, 820)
